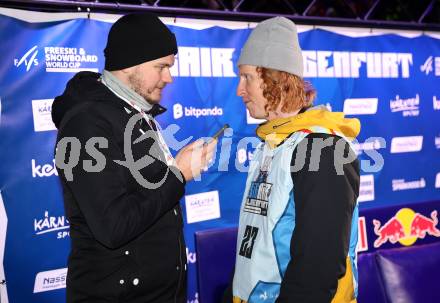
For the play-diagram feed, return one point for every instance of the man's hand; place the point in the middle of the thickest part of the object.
(194, 157)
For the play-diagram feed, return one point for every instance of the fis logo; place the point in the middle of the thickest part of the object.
(29, 59)
(406, 227)
(432, 64)
(427, 66)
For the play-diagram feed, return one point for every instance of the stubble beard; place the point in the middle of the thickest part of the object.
(146, 93)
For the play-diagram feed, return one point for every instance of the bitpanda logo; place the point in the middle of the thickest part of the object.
(180, 111)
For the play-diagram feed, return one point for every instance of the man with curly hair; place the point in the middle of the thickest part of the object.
(298, 220)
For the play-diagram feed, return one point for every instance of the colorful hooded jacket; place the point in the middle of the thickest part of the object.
(297, 233)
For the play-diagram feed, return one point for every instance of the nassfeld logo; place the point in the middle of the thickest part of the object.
(50, 280)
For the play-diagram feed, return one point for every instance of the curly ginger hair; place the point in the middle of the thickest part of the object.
(279, 86)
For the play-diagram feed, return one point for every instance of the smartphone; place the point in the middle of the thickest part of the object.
(218, 133)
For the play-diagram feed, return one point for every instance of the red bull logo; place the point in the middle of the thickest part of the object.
(406, 227)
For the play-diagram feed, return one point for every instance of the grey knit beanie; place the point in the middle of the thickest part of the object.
(274, 44)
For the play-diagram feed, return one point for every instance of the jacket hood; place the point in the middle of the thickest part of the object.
(277, 130)
(83, 87)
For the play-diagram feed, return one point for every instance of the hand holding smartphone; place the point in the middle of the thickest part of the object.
(218, 133)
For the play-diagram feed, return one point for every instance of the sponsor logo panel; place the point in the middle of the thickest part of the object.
(202, 206)
(437, 181)
(52, 224)
(50, 280)
(436, 103)
(3, 230)
(437, 141)
(43, 170)
(362, 235)
(409, 107)
(42, 113)
(406, 227)
(402, 184)
(366, 190)
(58, 59)
(406, 144)
(180, 111)
(369, 145)
(431, 65)
(360, 106)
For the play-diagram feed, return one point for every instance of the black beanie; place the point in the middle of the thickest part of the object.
(137, 38)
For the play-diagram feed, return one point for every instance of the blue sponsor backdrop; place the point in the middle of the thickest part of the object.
(390, 82)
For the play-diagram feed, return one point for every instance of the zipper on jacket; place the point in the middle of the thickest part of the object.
(181, 268)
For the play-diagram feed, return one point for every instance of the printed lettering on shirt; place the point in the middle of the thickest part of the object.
(257, 201)
(247, 244)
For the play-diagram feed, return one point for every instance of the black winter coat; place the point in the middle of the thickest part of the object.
(126, 240)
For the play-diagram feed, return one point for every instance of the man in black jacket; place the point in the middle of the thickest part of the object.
(121, 184)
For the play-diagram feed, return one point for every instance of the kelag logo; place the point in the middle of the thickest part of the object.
(180, 111)
(44, 170)
(406, 227)
(50, 224)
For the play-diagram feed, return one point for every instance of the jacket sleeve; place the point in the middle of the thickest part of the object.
(114, 213)
(324, 204)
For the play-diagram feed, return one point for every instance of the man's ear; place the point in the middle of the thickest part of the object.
(123, 74)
